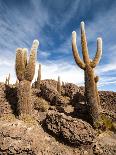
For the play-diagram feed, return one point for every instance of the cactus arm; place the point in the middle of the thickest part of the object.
(39, 73)
(19, 64)
(98, 53)
(84, 44)
(75, 52)
(30, 68)
(25, 51)
(38, 82)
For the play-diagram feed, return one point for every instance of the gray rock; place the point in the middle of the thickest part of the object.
(105, 144)
(71, 130)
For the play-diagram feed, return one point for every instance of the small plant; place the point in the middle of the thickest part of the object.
(41, 104)
(28, 119)
(8, 117)
(88, 65)
(104, 123)
(25, 71)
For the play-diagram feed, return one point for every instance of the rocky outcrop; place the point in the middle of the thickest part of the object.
(25, 138)
(51, 95)
(105, 144)
(70, 89)
(108, 100)
(72, 131)
(50, 82)
(7, 99)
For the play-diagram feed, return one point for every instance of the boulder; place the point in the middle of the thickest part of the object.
(28, 138)
(70, 130)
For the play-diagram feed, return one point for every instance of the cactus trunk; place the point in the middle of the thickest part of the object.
(24, 91)
(91, 94)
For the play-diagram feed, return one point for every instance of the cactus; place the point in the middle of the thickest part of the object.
(91, 93)
(63, 83)
(25, 71)
(17, 82)
(38, 78)
(59, 85)
(7, 81)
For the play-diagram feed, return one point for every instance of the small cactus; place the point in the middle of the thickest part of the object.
(38, 82)
(25, 71)
(63, 83)
(17, 82)
(7, 81)
(88, 66)
(59, 85)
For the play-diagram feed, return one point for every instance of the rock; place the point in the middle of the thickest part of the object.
(105, 144)
(18, 137)
(8, 99)
(50, 94)
(108, 100)
(70, 89)
(71, 130)
(50, 82)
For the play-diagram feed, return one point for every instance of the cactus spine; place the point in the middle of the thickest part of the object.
(25, 72)
(88, 66)
(38, 82)
(59, 85)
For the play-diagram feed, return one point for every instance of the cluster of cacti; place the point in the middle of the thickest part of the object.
(25, 70)
(88, 66)
(59, 85)
(7, 81)
(38, 82)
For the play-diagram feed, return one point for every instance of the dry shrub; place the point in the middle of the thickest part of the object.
(28, 119)
(41, 104)
(8, 117)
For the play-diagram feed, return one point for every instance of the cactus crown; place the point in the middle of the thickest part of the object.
(86, 58)
(26, 69)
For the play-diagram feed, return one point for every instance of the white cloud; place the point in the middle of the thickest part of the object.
(67, 72)
(19, 34)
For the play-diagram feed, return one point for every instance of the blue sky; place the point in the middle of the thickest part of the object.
(52, 23)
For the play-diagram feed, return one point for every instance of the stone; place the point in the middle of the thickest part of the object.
(71, 130)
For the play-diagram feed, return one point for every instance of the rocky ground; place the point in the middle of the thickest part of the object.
(59, 125)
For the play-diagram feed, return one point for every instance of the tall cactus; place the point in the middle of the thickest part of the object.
(59, 85)
(88, 66)
(25, 71)
(38, 78)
